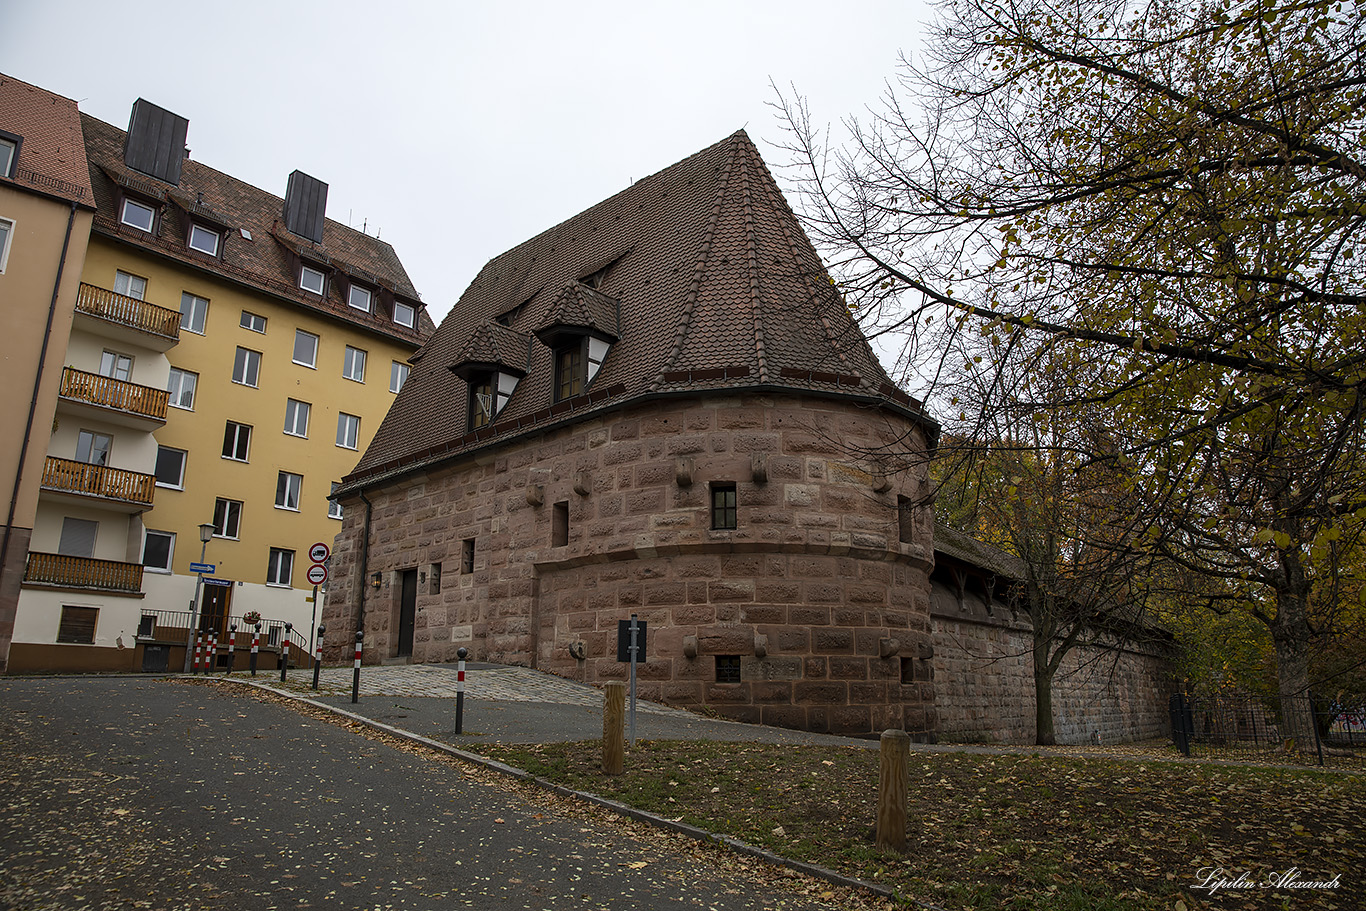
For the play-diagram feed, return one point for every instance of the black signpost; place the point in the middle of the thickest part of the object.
(631, 647)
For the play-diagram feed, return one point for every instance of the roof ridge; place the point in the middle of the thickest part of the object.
(756, 301)
(699, 269)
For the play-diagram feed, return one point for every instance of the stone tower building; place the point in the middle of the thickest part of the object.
(659, 407)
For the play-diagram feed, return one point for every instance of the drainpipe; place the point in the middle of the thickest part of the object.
(364, 564)
(37, 384)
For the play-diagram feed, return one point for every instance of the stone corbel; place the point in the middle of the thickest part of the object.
(888, 647)
(583, 483)
(578, 650)
(535, 494)
(689, 646)
(683, 470)
(760, 645)
(759, 468)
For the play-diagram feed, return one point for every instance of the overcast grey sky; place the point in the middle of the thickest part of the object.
(457, 130)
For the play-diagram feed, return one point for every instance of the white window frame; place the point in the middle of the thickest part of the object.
(8, 160)
(198, 313)
(300, 335)
(92, 447)
(134, 286)
(297, 412)
(246, 371)
(236, 439)
(147, 535)
(249, 319)
(288, 485)
(400, 306)
(201, 231)
(353, 364)
(348, 430)
(398, 375)
(176, 385)
(6, 232)
(184, 459)
(334, 508)
(367, 300)
(318, 278)
(116, 363)
(231, 523)
(280, 564)
(129, 202)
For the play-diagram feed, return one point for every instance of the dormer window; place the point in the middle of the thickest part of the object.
(138, 215)
(9, 153)
(359, 298)
(404, 314)
(312, 280)
(568, 372)
(205, 240)
(489, 392)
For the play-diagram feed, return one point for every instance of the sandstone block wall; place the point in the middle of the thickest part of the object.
(984, 681)
(816, 595)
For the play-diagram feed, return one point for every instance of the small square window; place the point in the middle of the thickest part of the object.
(296, 417)
(305, 348)
(133, 286)
(246, 367)
(467, 556)
(253, 322)
(9, 154)
(78, 625)
(227, 518)
(138, 215)
(359, 298)
(157, 550)
(398, 375)
(288, 488)
(723, 506)
(353, 364)
(181, 387)
(93, 448)
(404, 315)
(281, 567)
(727, 668)
(194, 311)
(171, 467)
(116, 366)
(204, 240)
(348, 431)
(236, 441)
(312, 280)
(334, 508)
(78, 537)
(6, 231)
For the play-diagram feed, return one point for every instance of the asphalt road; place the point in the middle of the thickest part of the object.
(136, 793)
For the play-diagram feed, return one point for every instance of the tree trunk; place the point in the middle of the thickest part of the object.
(1293, 640)
(1043, 696)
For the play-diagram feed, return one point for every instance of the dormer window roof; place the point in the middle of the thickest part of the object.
(492, 362)
(580, 311)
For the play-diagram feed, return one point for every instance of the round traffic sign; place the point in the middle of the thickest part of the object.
(317, 574)
(319, 552)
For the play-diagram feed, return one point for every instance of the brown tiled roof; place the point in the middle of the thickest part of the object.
(264, 262)
(967, 549)
(714, 286)
(579, 307)
(52, 151)
(493, 346)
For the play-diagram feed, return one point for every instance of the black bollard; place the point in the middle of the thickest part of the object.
(318, 656)
(462, 653)
(355, 674)
(284, 652)
(232, 647)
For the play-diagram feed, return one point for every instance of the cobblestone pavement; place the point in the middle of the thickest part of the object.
(485, 683)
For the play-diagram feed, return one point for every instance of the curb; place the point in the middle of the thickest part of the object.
(621, 809)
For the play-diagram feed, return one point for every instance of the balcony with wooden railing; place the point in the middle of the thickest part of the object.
(159, 327)
(119, 400)
(83, 573)
(131, 490)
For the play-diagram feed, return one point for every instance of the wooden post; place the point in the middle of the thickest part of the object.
(892, 791)
(614, 729)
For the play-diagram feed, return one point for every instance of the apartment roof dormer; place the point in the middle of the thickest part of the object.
(155, 143)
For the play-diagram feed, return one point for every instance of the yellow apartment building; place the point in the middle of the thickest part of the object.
(46, 205)
(275, 339)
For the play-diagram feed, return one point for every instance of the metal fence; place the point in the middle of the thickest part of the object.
(1272, 728)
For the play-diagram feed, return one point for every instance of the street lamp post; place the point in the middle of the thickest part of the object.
(205, 533)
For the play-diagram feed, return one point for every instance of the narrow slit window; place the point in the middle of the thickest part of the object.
(559, 532)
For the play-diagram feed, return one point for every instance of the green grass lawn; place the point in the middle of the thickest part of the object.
(1005, 830)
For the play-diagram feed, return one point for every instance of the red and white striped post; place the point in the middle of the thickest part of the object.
(198, 649)
(462, 653)
(211, 653)
(355, 673)
(255, 647)
(318, 656)
(232, 647)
